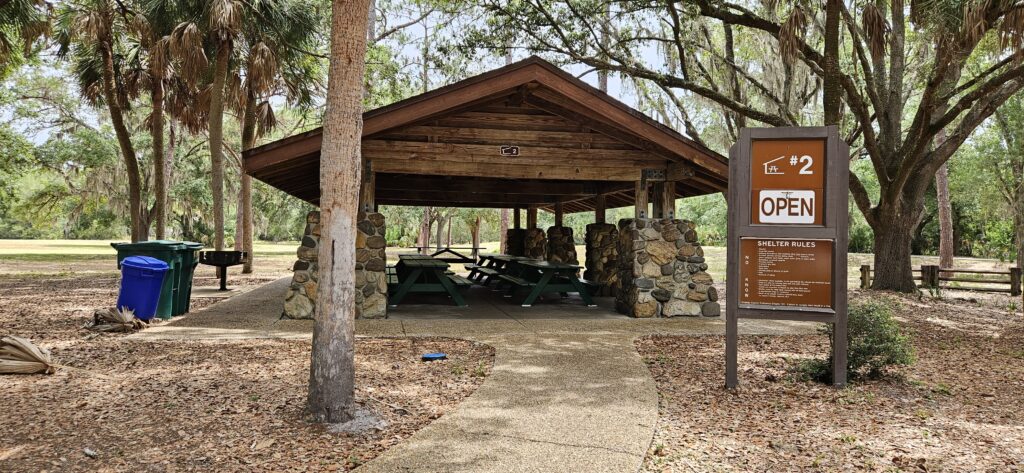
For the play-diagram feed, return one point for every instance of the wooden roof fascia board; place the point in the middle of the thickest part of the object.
(619, 112)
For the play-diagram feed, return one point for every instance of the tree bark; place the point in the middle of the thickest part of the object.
(503, 236)
(946, 243)
(1018, 225)
(893, 234)
(159, 164)
(831, 88)
(245, 189)
(476, 235)
(440, 231)
(423, 239)
(220, 72)
(332, 366)
(124, 140)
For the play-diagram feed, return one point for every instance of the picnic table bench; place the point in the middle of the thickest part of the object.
(543, 276)
(450, 254)
(419, 274)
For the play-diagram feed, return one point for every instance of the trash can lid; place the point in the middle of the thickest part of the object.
(149, 245)
(192, 245)
(144, 262)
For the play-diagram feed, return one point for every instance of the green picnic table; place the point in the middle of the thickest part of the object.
(544, 276)
(490, 267)
(424, 274)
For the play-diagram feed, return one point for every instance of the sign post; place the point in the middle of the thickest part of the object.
(787, 234)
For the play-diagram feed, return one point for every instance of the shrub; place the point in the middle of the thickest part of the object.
(875, 344)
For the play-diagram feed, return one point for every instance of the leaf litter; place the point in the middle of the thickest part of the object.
(127, 405)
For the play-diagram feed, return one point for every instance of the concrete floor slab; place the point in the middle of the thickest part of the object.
(568, 391)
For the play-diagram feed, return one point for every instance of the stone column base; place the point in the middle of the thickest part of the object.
(602, 257)
(535, 244)
(371, 285)
(561, 245)
(514, 240)
(662, 271)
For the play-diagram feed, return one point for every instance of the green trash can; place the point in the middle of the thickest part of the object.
(167, 251)
(189, 261)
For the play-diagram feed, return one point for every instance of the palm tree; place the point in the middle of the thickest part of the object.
(332, 366)
(22, 23)
(196, 28)
(273, 62)
(91, 33)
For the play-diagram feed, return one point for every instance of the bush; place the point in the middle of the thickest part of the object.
(875, 344)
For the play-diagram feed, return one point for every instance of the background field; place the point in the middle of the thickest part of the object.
(44, 257)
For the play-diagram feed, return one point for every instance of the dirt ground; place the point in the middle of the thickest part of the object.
(199, 406)
(958, 408)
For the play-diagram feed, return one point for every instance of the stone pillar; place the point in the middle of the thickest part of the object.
(602, 242)
(561, 245)
(662, 272)
(371, 284)
(535, 243)
(300, 300)
(371, 261)
(514, 239)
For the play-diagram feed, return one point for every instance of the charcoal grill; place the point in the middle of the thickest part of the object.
(223, 260)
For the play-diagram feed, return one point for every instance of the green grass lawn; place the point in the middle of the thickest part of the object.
(96, 255)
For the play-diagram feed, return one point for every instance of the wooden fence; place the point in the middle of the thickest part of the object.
(984, 280)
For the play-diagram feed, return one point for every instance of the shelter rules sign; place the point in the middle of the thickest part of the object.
(786, 272)
(788, 190)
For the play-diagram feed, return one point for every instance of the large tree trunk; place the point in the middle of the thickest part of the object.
(220, 72)
(238, 221)
(124, 141)
(159, 164)
(423, 239)
(476, 236)
(894, 231)
(1018, 225)
(440, 232)
(832, 90)
(503, 234)
(946, 243)
(332, 366)
(248, 142)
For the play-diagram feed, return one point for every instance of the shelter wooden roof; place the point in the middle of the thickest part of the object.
(441, 148)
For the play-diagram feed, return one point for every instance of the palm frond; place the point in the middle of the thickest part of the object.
(20, 356)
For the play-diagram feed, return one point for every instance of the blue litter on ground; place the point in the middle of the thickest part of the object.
(434, 356)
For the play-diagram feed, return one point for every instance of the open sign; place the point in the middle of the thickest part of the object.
(786, 206)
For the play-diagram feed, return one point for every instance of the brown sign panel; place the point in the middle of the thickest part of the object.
(786, 272)
(787, 182)
(788, 233)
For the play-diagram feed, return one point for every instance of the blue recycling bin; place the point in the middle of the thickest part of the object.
(142, 277)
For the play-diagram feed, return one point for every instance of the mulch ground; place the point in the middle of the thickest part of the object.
(958, 408)
(126, 405)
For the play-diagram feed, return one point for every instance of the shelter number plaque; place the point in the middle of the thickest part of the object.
(787, 181)
(787, 240)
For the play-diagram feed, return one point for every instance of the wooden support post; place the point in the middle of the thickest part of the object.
(559, 212)
(865, 276)
(600, 208)
(531, 217)
(669, 198)
(367, 188)
(515, 213)
(658, 206)
(1015, 281)
(930, 275)
(640, 205)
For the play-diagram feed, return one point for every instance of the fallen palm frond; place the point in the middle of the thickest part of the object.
(20, 356)
(113, 320)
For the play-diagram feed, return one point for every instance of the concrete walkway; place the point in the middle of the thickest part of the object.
(568, 391)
